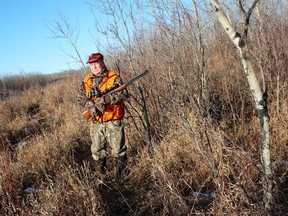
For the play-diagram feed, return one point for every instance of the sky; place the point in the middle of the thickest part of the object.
(26, 43)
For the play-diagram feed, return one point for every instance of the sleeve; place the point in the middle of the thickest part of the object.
(121, 95)
(81, 94)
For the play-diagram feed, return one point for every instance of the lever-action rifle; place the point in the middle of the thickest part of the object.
(114, 89)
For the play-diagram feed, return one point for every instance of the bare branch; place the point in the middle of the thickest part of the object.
(64, 30)
(241, 6)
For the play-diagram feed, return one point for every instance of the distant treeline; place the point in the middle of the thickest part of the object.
(16, 83)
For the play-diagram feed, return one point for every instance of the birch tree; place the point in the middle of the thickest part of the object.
(260, 97)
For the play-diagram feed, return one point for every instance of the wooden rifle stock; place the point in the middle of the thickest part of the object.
(86, 112)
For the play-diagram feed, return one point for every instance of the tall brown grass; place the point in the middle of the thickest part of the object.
(204, 157)
(197, 166)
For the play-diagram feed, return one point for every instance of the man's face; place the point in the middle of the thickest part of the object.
(97, 67)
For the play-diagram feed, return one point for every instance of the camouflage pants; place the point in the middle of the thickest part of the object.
(112, 133)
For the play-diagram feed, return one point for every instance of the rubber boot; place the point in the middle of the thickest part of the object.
(121, 164)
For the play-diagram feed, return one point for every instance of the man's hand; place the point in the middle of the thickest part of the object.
(100, 105)
(89, 105)
(107, 99)
(93, 92)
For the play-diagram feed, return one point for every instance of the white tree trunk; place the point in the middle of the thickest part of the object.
(260, 100)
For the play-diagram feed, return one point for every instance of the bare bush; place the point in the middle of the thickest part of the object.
(203, 152)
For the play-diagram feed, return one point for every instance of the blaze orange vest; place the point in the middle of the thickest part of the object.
(111, 111)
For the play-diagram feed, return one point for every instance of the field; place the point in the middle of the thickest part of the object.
(192, 132)
(193, 164)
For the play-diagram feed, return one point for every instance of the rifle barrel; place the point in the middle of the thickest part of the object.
(126, 84)
(117, 89)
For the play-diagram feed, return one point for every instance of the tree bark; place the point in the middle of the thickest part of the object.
(259, 98)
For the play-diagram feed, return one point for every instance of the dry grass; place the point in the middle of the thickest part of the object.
(204, 157)
(197, 166)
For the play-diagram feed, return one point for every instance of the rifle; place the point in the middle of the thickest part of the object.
(114, 89)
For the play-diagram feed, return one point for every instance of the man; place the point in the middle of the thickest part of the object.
(106, 114)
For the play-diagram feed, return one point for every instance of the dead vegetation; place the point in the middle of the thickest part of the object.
(189, 156)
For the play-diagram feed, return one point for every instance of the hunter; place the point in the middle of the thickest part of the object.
(106, 114)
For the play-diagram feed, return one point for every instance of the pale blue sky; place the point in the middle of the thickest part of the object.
(27, 45)
(25, 42)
